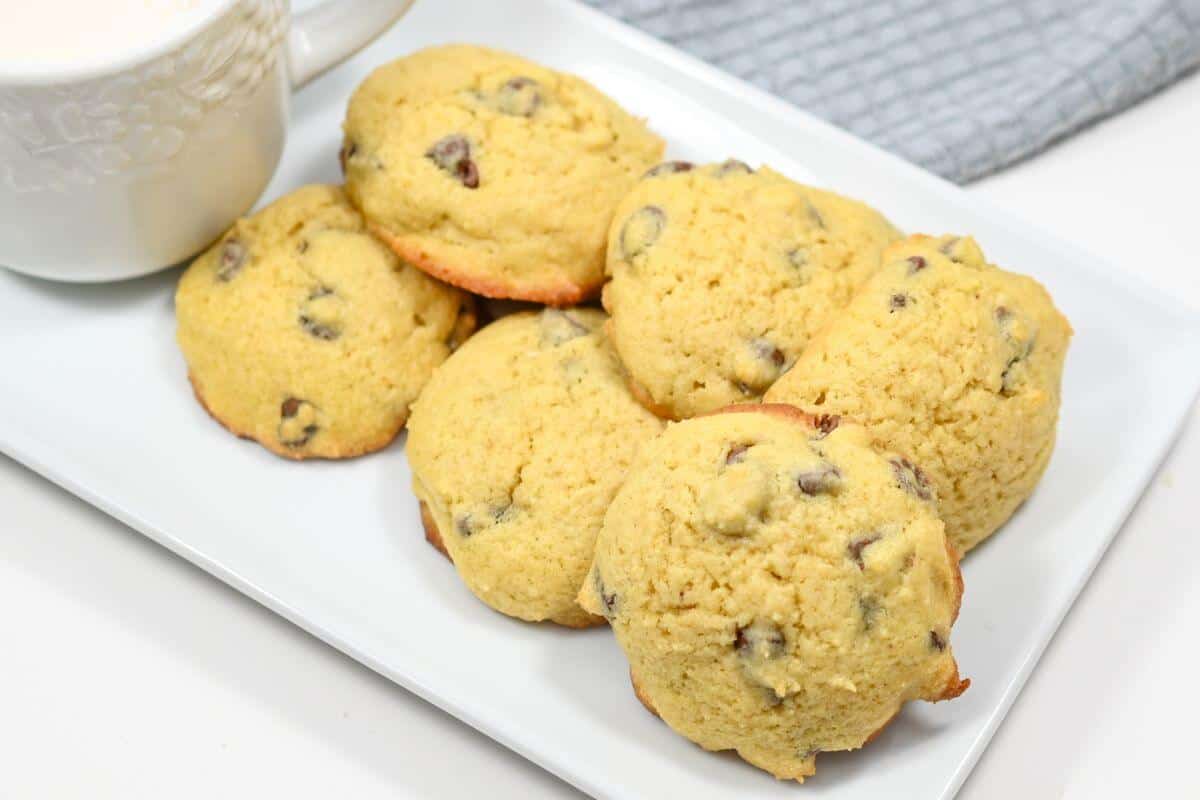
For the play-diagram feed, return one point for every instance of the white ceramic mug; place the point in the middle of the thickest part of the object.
(120, 170)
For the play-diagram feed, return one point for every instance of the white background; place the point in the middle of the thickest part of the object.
(125, 672)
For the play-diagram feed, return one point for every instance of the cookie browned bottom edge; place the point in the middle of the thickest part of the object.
(641, 695)
(781, 410)
(640, 393)
(957, 684)
(561, 294)
(879, 731)
(590, 621)
(432, 534)
(644, 399)
(956, 563)
(293, 454)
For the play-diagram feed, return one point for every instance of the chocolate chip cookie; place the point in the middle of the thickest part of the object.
(491, 172)
(517, 445)
(304, 333)
(721, 275)
(774, 589)
(953, 361)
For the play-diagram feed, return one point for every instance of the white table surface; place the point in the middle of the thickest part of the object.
(126, 672)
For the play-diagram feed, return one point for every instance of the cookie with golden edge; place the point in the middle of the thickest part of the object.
(722, 274)
(304, 333)
(491, 172)
(780, 587)
(954, 361)
(517, 445)
(432, 534)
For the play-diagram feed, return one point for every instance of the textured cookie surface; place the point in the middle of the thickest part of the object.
(953, 361)
(304, 333)
(721, 275)
(517, 446)
(779, 587)
(491, 172)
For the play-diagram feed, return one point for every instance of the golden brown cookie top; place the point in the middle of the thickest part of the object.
(491, 172)
(303, 332)
(721, 275)
(779, 587)
(954, 361)
(517, 446)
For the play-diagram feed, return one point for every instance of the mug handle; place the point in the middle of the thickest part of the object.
(327, 35)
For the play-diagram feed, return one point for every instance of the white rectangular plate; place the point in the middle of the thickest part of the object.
(93, 396)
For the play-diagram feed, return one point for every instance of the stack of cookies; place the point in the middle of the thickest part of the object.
(758, 461)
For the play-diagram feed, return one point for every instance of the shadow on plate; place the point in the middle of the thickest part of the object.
(102, 297)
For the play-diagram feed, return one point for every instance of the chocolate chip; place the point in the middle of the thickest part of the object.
(1007, 320)
(1008, 378)
(736, 454)
(911, 478)
(823, 479)
(936, 641)
(767, 351)
(558, 327)
(760, 640)
(452, 154)
(608, 600)
(915, 264)
(856, 547)
(732, 166)
(898, 301)
(868, 608)
(316, 318)
(349, 150)
(825, 424)
(232, 259)
(669, 168)
(641, 230)
(503, 512)
(798, 259)
(472, 522)
(961, 250)
(519, 97)
(297, 422)
(317, 330)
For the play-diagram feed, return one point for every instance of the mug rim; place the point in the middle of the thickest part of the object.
(14, 74)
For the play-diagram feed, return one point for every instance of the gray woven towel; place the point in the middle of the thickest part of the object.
(963, 87)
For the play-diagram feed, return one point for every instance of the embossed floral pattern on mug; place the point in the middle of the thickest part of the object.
(134, 123)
